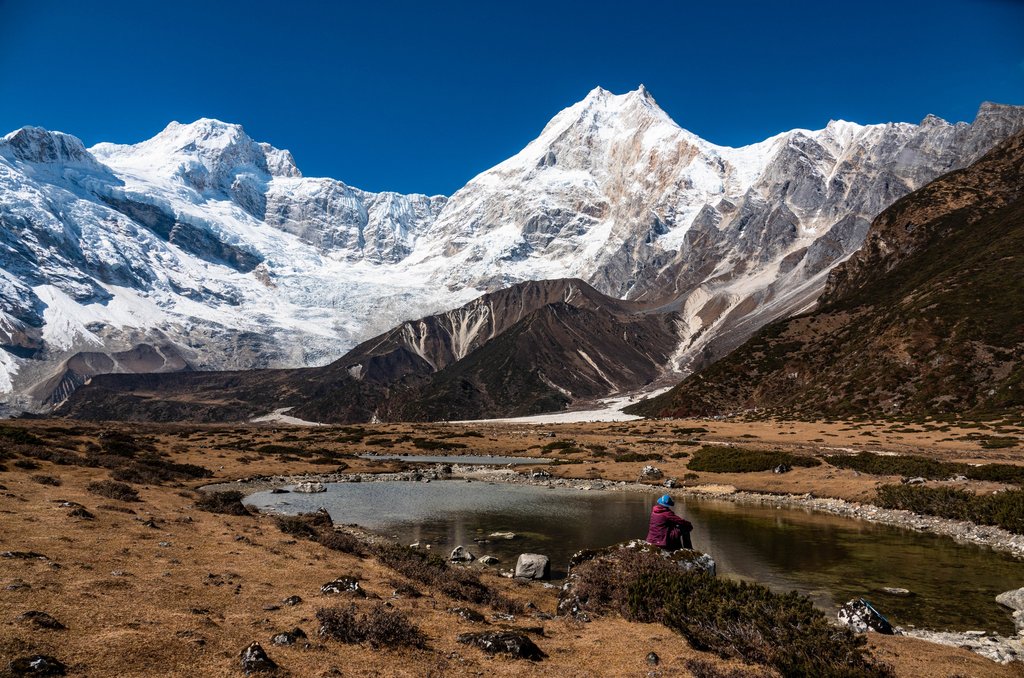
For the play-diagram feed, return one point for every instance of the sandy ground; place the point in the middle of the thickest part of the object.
(185, 596)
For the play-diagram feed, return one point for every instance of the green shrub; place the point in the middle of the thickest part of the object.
(1003, 509)
(743, 460)
(427, 444)
(19, 435)
(998, 442)
(47, 480)
(559, 445)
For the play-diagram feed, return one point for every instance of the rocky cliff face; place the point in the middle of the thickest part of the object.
(925, 319)
(214, 246)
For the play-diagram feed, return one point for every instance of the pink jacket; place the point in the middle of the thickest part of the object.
(662, 521)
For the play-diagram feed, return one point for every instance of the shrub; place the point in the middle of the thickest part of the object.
(154, 471)
(749, 622)
(427, 444)
(19, 435)
(111, 489)
(47, 480)
(913, 465)
(380, 627)
(741, 460)
(306, 525)
(227, 503)
(121, 444)
(1003, 509)
(636, 456)
(998, 443)
(340, 541)
(558, 445)
(26, 464)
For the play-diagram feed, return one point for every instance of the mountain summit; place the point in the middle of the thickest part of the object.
(211, 249)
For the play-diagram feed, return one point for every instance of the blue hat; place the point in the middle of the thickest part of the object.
(666, 500)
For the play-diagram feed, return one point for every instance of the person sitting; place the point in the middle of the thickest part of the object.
(667, 530)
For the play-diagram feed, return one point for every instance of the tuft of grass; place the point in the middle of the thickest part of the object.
(713, 459)
(380, 627)
(228, 503)
(111, 489)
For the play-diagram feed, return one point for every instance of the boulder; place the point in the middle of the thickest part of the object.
(650, 473)
(1012, 599)
(288, 637)
(460, 554)
(37, 665)
(488, 560)
(533, 566)
(255, 660)
(515, 645)
(467, 614)
(860, 616)
(653, 659)
(671, 483)
(344, 585)
(292, 600)
(310, 487)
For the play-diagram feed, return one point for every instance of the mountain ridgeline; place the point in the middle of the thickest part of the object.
(526, 349)
(927, 318)
(203, 249)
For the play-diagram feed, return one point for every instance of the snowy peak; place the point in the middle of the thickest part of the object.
(37, 145)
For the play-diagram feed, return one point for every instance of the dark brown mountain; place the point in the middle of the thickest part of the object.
(530, 348)
(927, 318)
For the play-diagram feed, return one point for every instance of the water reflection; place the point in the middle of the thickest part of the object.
(831, 559)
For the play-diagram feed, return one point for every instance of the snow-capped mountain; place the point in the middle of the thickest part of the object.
(204, 249)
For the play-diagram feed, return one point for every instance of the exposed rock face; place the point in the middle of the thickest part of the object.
(924, 319)
(214, 249)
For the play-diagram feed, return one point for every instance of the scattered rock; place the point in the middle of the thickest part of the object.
(540, 475)
(913, 481)
(41, 620)
(467, 614)
(861, 617)
(671, 483)
(502, 535)
(533, 566)
(649, 472)
(897, 591)
(782, 468)
(152, 524)
(310, 487)
(1012, 599)
(288, 637)
(653, 659)
(460, 554)
(513, 644)
(37, 665)
(292, 600)
(488, 560)
(80, 512)
(344, 585)
(255, 660)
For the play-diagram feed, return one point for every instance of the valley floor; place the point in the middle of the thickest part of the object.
(158, 587)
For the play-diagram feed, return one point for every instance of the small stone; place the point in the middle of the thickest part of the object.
(151, 524)
(782, 468)
(37, 665)
(860, 616)
(913, 481)
(896, 591)
(310, 487)
(292, 600)
(271, 607)
(467, 614)
(653, 659)
(533, 566)
(502, 535)
(488, 560)
(460, 554)
(289, 637)
(255, 660)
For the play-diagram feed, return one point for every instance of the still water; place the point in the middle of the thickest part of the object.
(831, 559)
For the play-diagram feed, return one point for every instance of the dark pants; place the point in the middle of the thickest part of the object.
(678, 539)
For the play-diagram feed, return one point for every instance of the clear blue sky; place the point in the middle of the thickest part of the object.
(421, 96)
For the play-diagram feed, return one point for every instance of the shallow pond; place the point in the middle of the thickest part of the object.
(829, 558)
(479, 460)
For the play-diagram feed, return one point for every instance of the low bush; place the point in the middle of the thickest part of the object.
(559, 445)
(380, 627)
(26, 464)
(999, 442)
(427, 444)
(910, 465)
(305, 525)
(1002, 509)
(155, 471)
(47, 480)
(228, 503)
(749, 622)
(636, 456)
(714, 459)
(19, 435)
(341, 541)
(111, 489)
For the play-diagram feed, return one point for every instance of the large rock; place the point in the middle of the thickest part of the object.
(255, 660)
(650, 473)
(460, 554)
(1012, 599)
(533, 566)
(41, 620)
(37, 665)
(509, 643)
(343, 585)
(861, 617)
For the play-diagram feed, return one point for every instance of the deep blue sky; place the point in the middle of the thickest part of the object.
(420, 96)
